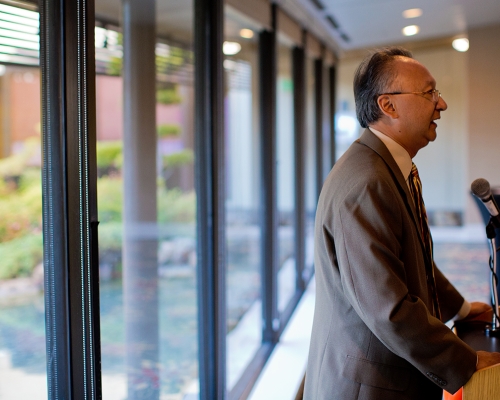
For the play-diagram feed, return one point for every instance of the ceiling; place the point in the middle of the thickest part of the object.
(371, 23)
(353, 24)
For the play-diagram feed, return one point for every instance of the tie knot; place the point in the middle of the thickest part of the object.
(414, 170)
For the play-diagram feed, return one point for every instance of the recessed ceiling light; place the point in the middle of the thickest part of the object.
(410, 30)
(412, 13)
(461, 44)
(246, 33)
(231, 48)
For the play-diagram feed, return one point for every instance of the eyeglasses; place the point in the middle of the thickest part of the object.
(436, 94)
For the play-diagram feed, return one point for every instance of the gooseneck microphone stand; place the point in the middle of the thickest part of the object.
(482, 190)
(494, 329)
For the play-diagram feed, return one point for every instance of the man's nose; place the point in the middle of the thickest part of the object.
(441, 104)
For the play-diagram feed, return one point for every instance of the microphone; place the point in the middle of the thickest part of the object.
(481, 189)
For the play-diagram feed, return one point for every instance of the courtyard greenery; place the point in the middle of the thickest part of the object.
(20, 212)
(168, 130)
(21, 245)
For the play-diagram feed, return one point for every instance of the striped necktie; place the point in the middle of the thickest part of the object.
(416, 191)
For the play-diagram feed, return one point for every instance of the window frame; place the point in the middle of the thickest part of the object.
(69, 199)
(69, 179)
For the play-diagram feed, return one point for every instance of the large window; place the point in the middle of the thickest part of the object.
(22, 322)
(146, 200)
(160, 294)
(243, 185)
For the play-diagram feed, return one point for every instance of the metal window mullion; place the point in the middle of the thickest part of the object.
(81, 198)
(299, 109)
(92, 212)
(54, 201)
(332, 73)
(318, 107)
(69, 190)
(209, 169)
(269, 203)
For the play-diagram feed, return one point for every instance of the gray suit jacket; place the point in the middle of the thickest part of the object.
(373, 335)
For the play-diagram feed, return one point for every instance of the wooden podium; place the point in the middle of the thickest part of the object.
(484, 384)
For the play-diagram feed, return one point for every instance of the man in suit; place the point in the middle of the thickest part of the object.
(381, 303)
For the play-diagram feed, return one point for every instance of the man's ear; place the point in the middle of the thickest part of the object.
(386, 105)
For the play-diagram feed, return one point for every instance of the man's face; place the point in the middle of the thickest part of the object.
(417, 113)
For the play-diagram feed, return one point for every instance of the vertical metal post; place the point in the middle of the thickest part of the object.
(269, 199)
(332, 89)
(57, 320)
(209, 169)
(299, 107)
(140, 240)
(69, 199)
(318, 119)
(82, 197)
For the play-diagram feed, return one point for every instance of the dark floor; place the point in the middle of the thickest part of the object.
(466, 266)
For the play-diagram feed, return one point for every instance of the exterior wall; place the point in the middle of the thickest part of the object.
(19, 108)
(109, 107)
(443, 163)
(22, 105)
(483, 109)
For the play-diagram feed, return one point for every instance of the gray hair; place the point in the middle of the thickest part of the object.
(373, 77)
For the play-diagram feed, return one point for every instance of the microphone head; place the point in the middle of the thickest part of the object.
(481, 188)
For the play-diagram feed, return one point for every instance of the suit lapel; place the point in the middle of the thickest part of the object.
(373, 142)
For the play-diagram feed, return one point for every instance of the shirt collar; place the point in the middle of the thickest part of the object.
(400, 155)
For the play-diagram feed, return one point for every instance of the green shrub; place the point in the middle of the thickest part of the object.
(168, 96)
(109, 199)
(176, 206)
(109, 154)
(31, 177)
(21, 209)
(20, 256)
(110, 236)
(4, 189)
(15, 164)
(174, 61)
(114, 67)
(178, 159)
(12, 165)
(168, 130)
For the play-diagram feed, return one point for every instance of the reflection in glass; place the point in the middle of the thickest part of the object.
(243, 236)
(285, 177)
(146, 199)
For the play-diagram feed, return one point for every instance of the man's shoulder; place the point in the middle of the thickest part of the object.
(358, 170)
(359, 161)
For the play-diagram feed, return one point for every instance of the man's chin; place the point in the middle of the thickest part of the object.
(432, 135)
(427, 140)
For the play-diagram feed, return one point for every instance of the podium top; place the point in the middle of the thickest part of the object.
(483, 385)
(472, 333)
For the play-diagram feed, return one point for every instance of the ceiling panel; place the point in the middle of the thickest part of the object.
(377, 22)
